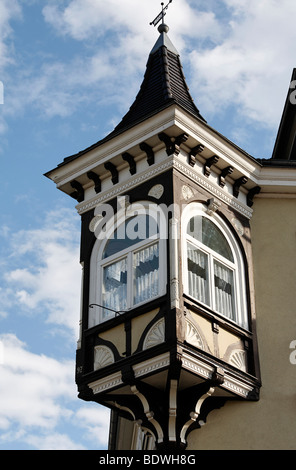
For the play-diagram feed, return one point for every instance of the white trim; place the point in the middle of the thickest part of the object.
(238, 268)
(171, 162)
(231, 384)
(151, 365)
(106, 383)
(143, 368)
(97, 264)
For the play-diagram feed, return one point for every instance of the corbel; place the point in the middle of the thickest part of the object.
(96, 179)
(251, 194)
(213, 206)
(224, 173)
(181, 139)
(79, 191)
(113, 170)
(149, 152)
(130, 160)
(210, 162)
(193, 152)
(237, 184)
(172, 143)
(194, 405)
(148, 412)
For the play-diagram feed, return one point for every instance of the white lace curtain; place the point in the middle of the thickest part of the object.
(224, 290)
(197, 274)
(145, 281)
(115, 287)
(199, 282)
(146, 273)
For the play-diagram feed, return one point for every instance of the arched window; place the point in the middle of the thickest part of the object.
(213, 265)
(128, 267)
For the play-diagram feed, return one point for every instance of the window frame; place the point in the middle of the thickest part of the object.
(239, 297)
(98, 263)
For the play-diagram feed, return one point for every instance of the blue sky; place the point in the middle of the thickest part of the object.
(70, 70)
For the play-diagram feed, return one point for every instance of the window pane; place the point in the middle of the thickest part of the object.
(115, 287)
(205, 231)
(146, 273)
(224, 290)
(198, 278)
(134, 230)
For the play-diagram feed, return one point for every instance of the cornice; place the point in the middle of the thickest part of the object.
(143, 368)
(171, 163)
(219, 145)
(131, 183)
(172, 122)
(231, 384)
(213, 188)
(90, 159)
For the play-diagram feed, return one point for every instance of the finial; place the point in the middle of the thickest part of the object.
(162, 28)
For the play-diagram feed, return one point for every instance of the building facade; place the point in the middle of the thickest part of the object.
(188, 257)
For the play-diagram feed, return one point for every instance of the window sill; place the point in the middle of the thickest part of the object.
(138, 310)
(215, 317)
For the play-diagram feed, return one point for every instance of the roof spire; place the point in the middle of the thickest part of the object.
(163, 30)
(161, 17)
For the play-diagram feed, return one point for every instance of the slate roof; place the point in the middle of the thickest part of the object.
(285, 145)
(284, 151)
(163, 85)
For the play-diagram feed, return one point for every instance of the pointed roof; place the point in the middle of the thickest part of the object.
(164, 84)
(285, 146)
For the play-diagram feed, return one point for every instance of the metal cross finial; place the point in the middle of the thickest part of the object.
(161, 14)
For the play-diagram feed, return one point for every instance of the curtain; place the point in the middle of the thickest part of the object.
(146, 273)
(115, 287)
(224, 290)
(197, 274)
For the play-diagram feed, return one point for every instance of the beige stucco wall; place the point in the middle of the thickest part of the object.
(271, 422)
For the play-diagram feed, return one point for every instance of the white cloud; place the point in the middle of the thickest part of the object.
(239, 54)
(37, 395)
(9, 9)
(116, 71)
(53, 441)
(31, 386)
(95, 420)
(46, 278)
(84, 18)
(251, 67)
(239, 51)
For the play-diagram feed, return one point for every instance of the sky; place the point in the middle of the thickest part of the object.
(69, 70)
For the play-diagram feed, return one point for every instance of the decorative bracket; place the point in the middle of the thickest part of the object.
(149, 414)
(96, 179)
(149, 152)
(195, 413)
(172, 143)
(184, 410)
(210, 162)
(251, 194)
(113, 170)
(79, 191)
(193, 152)
(237, 184)
(213, 206)
(224, 173)
(132, 164)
